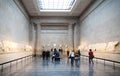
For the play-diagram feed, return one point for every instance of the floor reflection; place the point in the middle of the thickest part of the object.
(56, 63)
(91, 70)
(46, 67)
(45, 63)
(75, 72)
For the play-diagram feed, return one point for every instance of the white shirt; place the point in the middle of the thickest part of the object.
(72, 54)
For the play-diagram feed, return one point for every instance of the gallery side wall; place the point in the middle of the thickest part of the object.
(14, 31)
(100, 29)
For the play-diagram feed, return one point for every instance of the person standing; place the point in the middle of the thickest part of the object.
(67, 53)
(79, 54)
(76, 59)
(47, 54)
(60, 50)
(43, 54)
(72, 55)
(91, 56)
(53, 54)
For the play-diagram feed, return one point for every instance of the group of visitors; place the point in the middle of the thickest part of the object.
(74, 56)
(45, 54)
(54, 54)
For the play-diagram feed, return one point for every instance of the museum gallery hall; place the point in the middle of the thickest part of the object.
(59, 37)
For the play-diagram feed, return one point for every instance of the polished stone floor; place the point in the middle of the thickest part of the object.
(39, 67)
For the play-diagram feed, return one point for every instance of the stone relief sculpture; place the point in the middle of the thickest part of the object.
(1, 46)
(66, 49)
(117, 47)
(109, 47)
(101, 47)
(9, 46)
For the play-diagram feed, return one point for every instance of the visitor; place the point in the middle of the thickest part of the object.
(72, 55)
(91, 56)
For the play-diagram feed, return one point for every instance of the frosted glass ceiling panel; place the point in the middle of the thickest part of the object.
(55, 4)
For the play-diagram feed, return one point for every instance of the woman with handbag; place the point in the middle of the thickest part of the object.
(91, 56)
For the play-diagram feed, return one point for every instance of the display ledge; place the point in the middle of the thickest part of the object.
(14, 52)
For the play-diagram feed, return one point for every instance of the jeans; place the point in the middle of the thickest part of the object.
(72, 60)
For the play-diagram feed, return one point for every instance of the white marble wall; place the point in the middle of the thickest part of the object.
(48, 37)
(56, 35)
(14, 27)
(101, 28)
(76, 36)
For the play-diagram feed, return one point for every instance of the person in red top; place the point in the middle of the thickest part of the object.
(91, 56)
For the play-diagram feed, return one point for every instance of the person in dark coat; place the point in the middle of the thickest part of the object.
(47, 54)
(43, 54)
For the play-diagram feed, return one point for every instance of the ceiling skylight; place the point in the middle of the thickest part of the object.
(53, 5)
